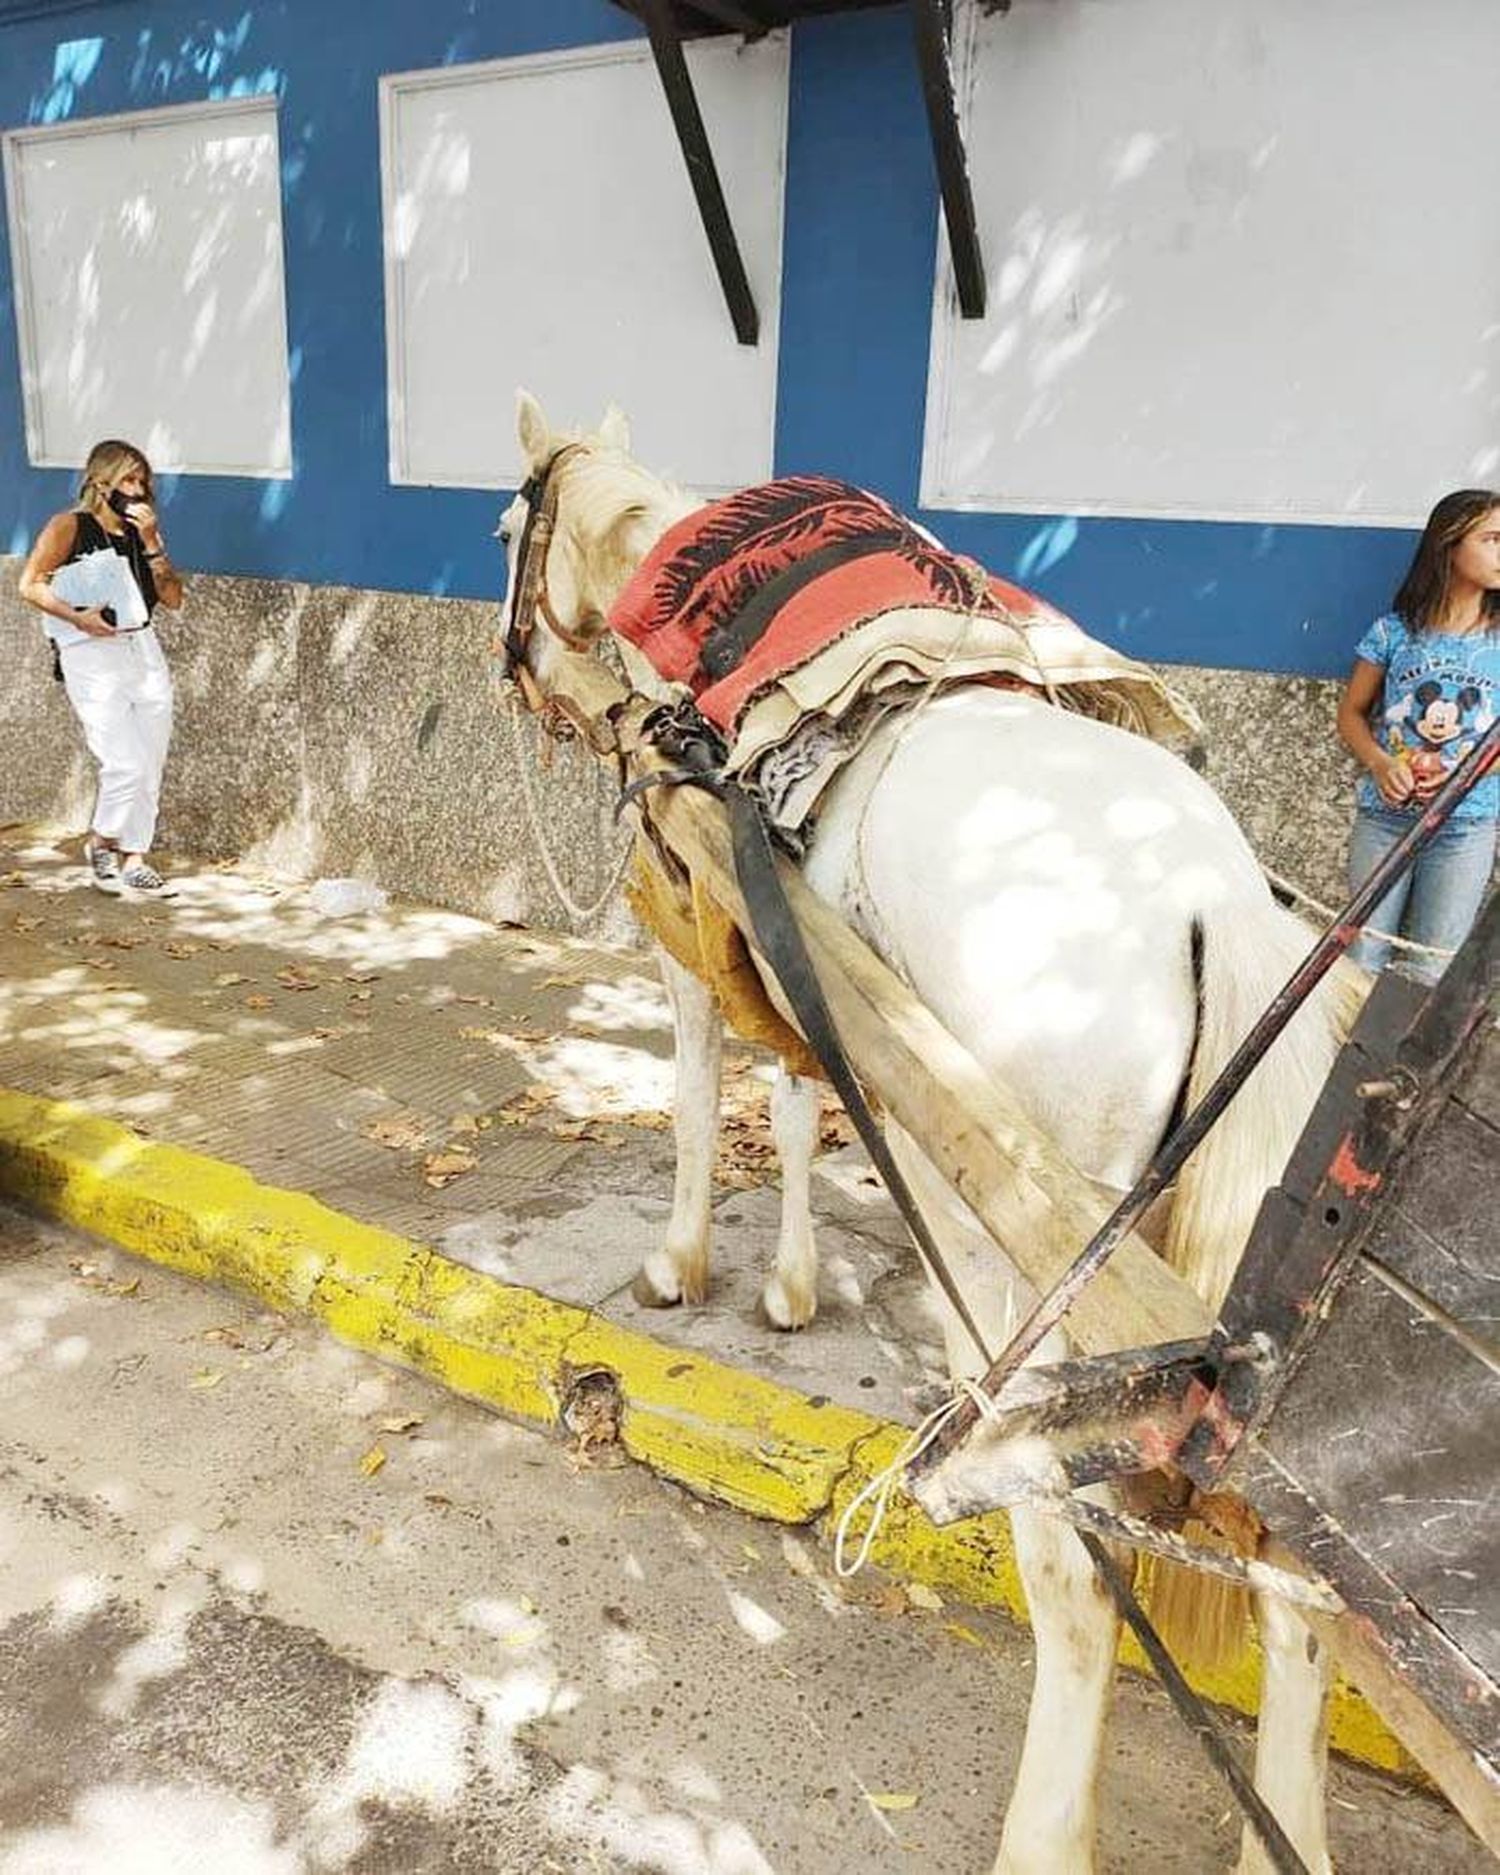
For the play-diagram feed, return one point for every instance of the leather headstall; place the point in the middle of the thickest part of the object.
(528, 597)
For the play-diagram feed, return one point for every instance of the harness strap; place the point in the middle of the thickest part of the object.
(729, 642)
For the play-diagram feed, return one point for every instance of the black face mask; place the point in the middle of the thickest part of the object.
(120, 501)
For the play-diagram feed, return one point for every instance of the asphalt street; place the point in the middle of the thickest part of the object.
(268, 1605)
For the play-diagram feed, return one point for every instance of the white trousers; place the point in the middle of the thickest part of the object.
(121, 692)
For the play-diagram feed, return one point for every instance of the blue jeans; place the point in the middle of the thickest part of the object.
(1435, 902)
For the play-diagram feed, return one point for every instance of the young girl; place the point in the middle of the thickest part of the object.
(114, 670)
(1425, 687)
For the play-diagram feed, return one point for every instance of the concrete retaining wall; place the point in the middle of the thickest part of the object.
(326, 731)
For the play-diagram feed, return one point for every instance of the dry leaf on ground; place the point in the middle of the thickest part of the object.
(257, 1002)
(205, 1378)
(227, 979)
(294, 977)
(92, 1277)
(180, 948)
(398, 1131)
(892, 1799)
(12, 878)
(401, 1422)
(441, 1168)
(361, 976)
(920, 1596)
(372, 1460)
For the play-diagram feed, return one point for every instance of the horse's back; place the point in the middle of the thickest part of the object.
(1037, 876)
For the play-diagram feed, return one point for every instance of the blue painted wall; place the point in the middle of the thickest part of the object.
(861, 217)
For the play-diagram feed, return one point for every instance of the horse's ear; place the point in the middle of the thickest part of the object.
(614, 429)
(533, 431)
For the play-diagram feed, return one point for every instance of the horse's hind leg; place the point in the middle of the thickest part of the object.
(790, 1297)
(678, 1271)
(1050, 1823)
(1291, 1744)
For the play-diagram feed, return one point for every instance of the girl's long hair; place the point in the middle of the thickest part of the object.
(1423, 596)
(107, 462)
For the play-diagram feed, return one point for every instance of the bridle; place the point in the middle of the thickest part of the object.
(528, 595)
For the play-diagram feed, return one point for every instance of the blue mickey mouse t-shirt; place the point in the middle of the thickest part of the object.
(1441, 693)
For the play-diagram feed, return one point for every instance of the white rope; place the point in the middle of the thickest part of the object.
(878, 1489)
(1328, 914)
(581, 914)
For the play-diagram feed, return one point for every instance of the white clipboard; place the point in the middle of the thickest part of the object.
(102, 578)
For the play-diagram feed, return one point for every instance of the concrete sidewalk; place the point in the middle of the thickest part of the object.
(458, 1152)
(501, 1095)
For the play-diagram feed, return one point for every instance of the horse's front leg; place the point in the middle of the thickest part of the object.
(678, 1271)
(1291, 1740)
(790, 1297)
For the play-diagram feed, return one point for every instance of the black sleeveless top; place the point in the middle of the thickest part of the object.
(92, 535)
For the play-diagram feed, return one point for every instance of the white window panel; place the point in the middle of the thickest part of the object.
(149, 287)
(1240, 257)
(541, 231)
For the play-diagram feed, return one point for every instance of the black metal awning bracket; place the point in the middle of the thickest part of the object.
(932, 24)
(697, 152)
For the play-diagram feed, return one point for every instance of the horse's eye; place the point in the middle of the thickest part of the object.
(504, 535)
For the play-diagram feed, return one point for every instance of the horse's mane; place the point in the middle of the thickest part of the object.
(606, 484)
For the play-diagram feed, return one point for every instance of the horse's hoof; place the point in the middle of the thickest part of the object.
(649, 1296)
(785, 1310)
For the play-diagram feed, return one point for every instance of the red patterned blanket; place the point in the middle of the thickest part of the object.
(751, 587)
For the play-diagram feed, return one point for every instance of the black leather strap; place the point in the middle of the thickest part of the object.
(727, 644)
(780, 940)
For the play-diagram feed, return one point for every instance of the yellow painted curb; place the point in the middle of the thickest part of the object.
(731, 1435)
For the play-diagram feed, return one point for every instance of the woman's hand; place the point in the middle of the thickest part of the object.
(93, 623)
(142, 517)
(1393, 779)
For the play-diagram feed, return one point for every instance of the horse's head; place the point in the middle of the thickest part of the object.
(562, 575)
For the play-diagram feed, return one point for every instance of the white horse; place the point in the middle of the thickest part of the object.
(1078, 907)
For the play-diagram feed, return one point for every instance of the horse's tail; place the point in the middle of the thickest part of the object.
(1248, 950)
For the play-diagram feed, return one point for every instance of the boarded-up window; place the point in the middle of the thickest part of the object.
(1241, 260)
(149, 287)
(541, 231)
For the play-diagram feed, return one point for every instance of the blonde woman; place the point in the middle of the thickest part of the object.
(98, 572)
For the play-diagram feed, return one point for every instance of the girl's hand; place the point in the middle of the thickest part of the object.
(1393, 780)
(93, 622)
(1427, 774)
